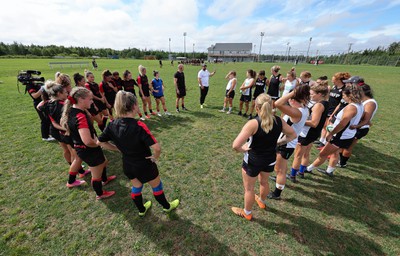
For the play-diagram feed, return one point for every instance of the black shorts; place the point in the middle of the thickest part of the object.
(245, 98)
(143, 170)
(146, 92)
(305, 141)
(256, 95)
(67, 140)
(231, 95)
(55, 134)
(100, 105)
(92, 156)
(253, 170)
(285, 152)
(158, 97)
(182, 92)
(361, 133)
(341, 143)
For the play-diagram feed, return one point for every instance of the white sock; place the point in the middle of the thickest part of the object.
(310, 167)
(279, 186)
(246, 212)
(323, 140)
(330, 169)
(230, 109)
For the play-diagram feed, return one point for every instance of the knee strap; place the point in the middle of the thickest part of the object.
(136, 192)
(158, 190)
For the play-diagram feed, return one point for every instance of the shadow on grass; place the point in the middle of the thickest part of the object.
(359, 200)
(169, 232)
(377, 164)
(322, 240)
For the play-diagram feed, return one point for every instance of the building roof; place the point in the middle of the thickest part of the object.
(231, 47)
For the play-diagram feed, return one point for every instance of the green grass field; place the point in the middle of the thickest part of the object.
(354, 213)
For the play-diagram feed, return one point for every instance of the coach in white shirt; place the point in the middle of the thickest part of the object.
(203, 77)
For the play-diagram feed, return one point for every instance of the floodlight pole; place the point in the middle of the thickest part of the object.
(287, 51)
(259, 53)
(193, 50)
(184, 44)
(309, 44)
(169, 45)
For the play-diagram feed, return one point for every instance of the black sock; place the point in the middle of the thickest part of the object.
(97, 186)
(72, 177)
(162, 200)
(343, 160)
(81, 171)
(138, 200)
(151, 111)
(104, 175)
(183, 106)
(277, 192)
(145, 113)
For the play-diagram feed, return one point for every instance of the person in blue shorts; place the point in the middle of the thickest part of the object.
(157, 88)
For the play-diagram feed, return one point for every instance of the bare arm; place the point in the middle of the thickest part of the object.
(156, 149)
(369, 109)
(348, 113)
(316, 114)
(289, 132)
(107, 145)
(250, 128)
(294, 113)
(86, 138)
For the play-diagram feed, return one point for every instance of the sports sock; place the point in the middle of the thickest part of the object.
(97, 186)
(323, 140)
(140, 115)
(104, 175)
(230, 109)
(246, 211)
(159, 195)
(278, 190)
(137, 198)
(72, 177)
(330, 169)
(293, 173)
(145, 113)
(302, 169)
(81, 171)
(310, 167)
(151, 111)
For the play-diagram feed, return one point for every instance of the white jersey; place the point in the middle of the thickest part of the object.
(373, 114)
(247, 82)
(229, 85)
(346, 132)
(289, 86)
(297, 127)
(204, 75)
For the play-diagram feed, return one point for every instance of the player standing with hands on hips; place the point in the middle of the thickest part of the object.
(203, 77)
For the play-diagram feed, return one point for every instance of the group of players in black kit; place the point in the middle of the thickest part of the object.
(339, 116)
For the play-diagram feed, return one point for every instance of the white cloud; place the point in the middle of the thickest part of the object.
(120, 24)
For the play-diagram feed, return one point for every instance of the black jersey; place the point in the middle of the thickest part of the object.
(32, 88)
(314, 132)
(54, 111)
(180, 79)
(263, 145)
(260, 86)
(118, 82)
(144, 81)
(109, 92)
(335, 95)
(129, 85)
(78, 119)
(273, 88)
(131, 137)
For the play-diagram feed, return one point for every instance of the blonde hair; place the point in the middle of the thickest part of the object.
(264, 104)
(124, 103)
(141, 68)
(76, 94)
(275, 68)
(321, 87)
(354, 92)
(305, 74)
(63, 79)
(52, 88)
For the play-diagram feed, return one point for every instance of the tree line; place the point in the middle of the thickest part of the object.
(18, 49)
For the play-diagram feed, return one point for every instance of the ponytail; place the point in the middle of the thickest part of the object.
(76, 93)
(124, 103)
(263, 103)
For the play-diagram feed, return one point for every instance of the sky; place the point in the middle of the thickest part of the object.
(334, 26)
